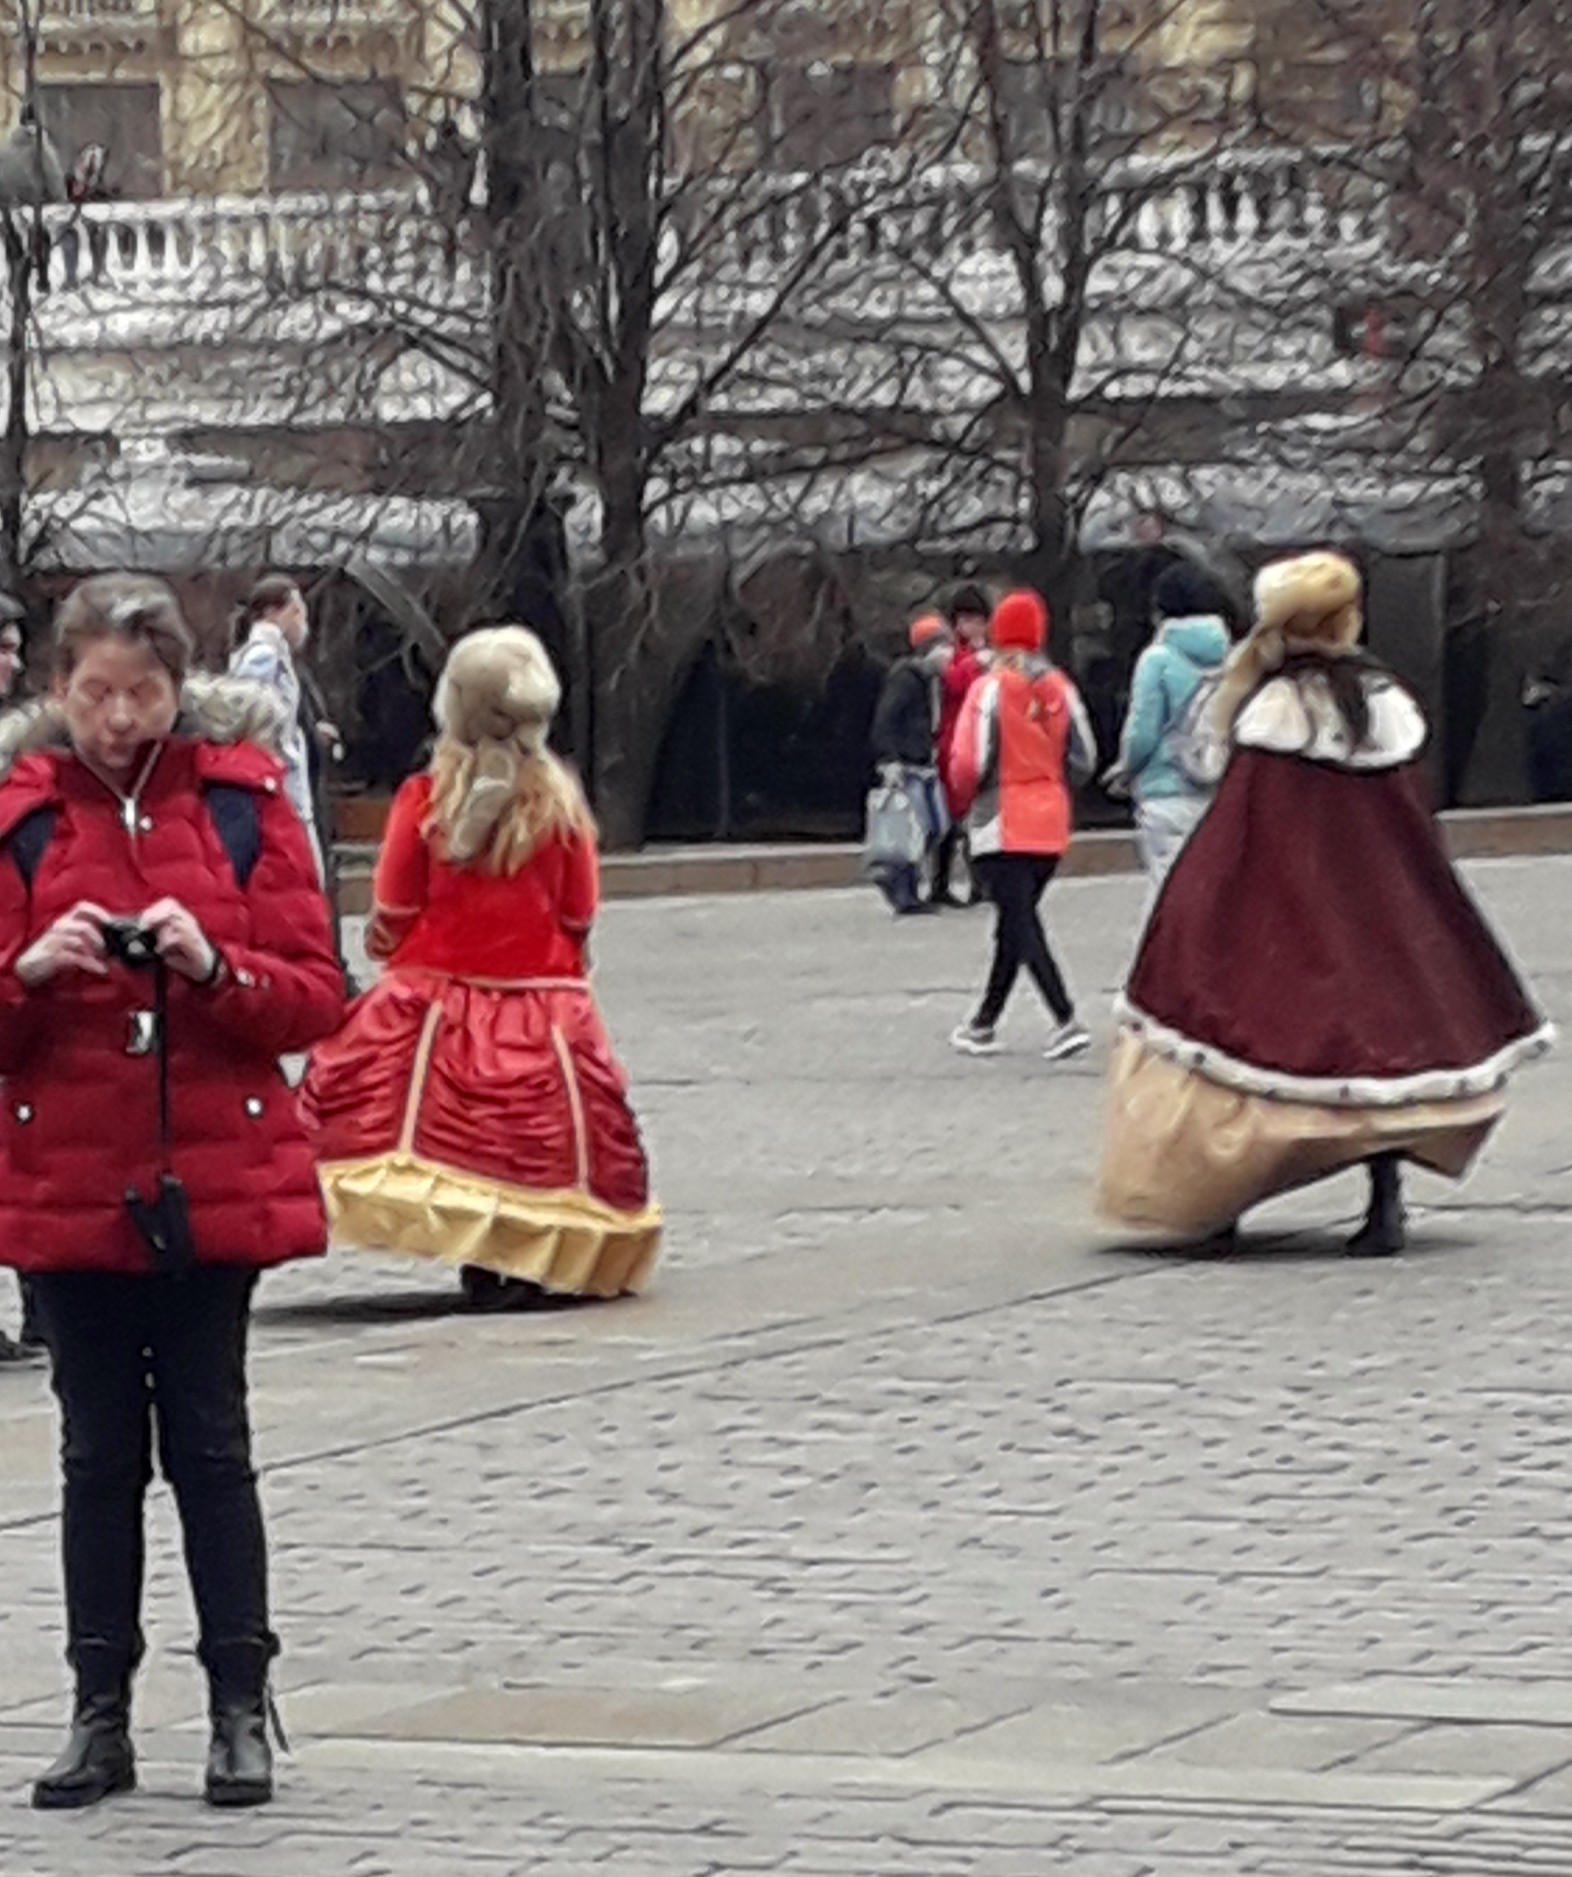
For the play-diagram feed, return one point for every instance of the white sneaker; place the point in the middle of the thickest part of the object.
(1070, 1039)
(971, 1039)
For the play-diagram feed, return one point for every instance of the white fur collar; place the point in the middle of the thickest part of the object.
(1294, 715)
(216, 709)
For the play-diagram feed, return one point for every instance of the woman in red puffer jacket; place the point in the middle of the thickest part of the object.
(163, 940)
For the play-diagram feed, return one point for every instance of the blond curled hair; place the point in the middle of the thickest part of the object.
(497, 792)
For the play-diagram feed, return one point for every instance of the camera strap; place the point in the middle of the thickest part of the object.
(161, 1021)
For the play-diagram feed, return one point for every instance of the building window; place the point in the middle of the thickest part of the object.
(1032, 91)
(122, 119)
(336, 136)
(821, 116)
(1323, 102)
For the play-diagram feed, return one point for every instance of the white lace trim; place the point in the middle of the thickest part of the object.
(1367, 1091)
(1295, 716)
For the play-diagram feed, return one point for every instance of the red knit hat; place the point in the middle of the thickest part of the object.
(925, 629)
(1019, 623)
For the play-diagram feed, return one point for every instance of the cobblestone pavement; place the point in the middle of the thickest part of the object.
(908, 1528)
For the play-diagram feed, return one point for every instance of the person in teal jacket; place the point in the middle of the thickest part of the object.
(1187, 652)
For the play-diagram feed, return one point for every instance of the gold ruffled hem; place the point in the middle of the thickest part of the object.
(566, 1242)
(1184, 1157)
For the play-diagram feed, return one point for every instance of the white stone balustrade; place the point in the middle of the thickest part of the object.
(1194, 255)
(855, 220)
(94, 12)
(229, 247)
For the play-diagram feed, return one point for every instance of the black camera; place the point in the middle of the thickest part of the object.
(129, 943)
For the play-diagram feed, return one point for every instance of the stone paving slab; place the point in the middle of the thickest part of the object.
(974, 1542)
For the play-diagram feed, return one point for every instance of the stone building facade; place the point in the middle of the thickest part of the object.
(279, 178)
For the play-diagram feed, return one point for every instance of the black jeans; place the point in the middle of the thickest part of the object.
(130, 1353)
(1016, 883)
(944, 859)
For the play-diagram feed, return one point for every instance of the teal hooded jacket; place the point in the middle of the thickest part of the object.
(1168, 674)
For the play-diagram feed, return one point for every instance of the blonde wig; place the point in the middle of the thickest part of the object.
(497, 792)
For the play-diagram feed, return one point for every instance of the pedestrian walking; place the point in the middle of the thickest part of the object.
(164, 941)
(471, 1110)
(1316, 990)
(904, 743)
(966, 613)
(1023, 744)
(1165, 760)
(273, 629)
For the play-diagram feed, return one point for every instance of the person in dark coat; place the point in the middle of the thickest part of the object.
(904, 744)
(163, 941)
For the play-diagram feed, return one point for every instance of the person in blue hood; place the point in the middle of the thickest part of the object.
(1174, 676)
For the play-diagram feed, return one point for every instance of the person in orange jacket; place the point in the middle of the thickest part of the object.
(1023, 742)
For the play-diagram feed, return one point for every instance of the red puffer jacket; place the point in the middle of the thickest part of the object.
(78, 1113)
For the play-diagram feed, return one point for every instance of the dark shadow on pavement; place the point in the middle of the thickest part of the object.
(398, 1307)
(1310, 1247)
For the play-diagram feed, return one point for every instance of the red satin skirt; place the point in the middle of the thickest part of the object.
(485, 1124)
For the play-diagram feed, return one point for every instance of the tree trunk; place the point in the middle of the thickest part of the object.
(521, 568)
(13, 440)
(621, 623)
(1507, 415)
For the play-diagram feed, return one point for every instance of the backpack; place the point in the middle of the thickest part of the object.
(235, 819)
(1192, 744)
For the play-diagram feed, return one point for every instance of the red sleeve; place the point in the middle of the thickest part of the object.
(284, 989)
(969, 751)
(21, 1010)
(959, 675)
(580, 885)
(402, 881)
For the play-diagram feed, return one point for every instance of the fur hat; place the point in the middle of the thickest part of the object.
(924, 630)
(496, 698)
(1019, 622)
(1312, 599)
(1310, 602)
(498, 686)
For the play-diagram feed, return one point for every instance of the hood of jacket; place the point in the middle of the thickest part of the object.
(1202, 640)
(212, 709)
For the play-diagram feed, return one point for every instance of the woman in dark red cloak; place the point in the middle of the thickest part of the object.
(1316, 988)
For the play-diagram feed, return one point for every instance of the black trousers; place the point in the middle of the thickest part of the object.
(1016, 883)
(133, 1355)
(944, 859)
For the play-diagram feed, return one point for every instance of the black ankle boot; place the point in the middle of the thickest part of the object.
(98, 1759)
(239, 1757)
(1385, 1229)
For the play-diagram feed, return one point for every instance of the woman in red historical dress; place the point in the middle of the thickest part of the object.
(471, 1110)
(1316, 988)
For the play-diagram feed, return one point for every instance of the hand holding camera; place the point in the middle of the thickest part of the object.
(87, 938)
(176, 937)
(75, 942)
